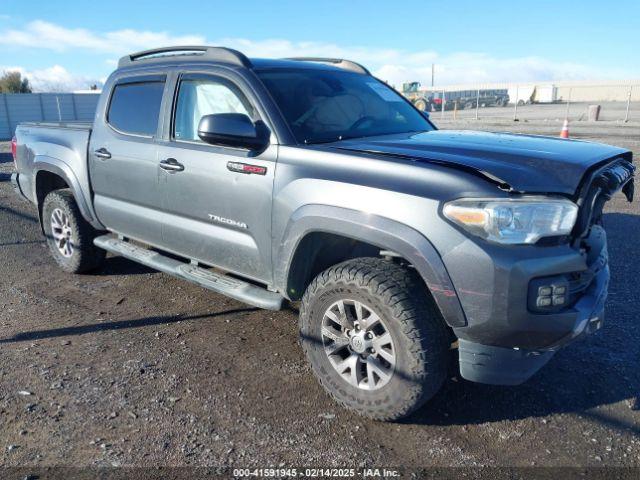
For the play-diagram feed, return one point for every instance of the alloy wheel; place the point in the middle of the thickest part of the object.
(62, 232)
(358, 344)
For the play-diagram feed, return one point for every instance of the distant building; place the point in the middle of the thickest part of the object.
(545, 92)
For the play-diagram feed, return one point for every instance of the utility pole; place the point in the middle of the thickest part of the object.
(433, 71)
(626, 115)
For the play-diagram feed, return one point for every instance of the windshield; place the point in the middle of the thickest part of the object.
(326, 105)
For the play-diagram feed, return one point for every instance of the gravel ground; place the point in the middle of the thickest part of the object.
(130, 367)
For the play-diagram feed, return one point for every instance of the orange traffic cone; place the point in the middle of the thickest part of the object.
(564, 133)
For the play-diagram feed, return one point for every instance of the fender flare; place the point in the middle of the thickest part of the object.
(380, 231)
(61, 169)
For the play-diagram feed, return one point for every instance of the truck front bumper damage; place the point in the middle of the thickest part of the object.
(522, 344)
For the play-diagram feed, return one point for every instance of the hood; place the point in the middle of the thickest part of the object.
(525, 163)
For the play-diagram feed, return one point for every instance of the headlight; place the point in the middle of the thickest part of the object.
(513, 221)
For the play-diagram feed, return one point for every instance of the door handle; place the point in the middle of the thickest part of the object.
(102, 153)
(171, 165)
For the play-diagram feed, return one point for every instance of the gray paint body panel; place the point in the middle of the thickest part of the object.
(60, 149)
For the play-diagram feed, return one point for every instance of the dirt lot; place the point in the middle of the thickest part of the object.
(132, 367)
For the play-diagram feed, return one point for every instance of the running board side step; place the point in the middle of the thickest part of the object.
(229, 286)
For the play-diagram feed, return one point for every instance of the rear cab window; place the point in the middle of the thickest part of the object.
(135, 103)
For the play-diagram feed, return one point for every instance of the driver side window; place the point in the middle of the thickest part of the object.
(204, 96)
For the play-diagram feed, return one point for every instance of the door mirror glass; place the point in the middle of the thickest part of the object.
(234, 130)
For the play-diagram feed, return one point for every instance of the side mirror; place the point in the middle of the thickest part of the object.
(425, 114)
(234, 130)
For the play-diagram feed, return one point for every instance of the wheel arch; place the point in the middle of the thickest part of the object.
(51, 174)
(301, 252)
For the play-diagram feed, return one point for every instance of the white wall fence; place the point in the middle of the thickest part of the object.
(49, 107)
(577, 91)
(542, 101)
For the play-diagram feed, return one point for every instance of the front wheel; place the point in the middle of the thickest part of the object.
(69, 235)
(374, 337)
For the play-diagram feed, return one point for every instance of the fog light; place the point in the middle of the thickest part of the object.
(543, 301)
(544, 291)
(559, 289)
(549, 294)
(558, 300)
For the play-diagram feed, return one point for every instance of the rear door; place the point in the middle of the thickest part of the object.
(123, 159)
(216, 212)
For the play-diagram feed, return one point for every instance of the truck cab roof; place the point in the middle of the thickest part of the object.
(227, 56)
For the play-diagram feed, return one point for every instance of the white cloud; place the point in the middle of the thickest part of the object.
(392, 65)
(467, 68)
(55, 79)
(46, 35)
(397, 66)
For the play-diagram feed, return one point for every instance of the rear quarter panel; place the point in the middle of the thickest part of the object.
(60, 149)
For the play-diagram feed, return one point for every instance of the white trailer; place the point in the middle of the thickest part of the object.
(545, 94)
(521, 94)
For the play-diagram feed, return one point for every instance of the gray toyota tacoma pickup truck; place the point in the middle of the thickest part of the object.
(310, 180)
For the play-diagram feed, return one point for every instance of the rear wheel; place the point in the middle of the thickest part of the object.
(69, 236)
(374, 338)
(421, 105)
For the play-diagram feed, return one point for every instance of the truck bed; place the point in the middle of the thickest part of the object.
(58, 147)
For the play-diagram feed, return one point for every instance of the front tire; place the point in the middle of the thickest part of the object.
(69, 235)
(374, 337)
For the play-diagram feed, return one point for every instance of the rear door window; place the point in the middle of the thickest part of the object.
(135, 107)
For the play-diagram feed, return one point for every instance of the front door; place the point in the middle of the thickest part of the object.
(123, 160)
(217, 211)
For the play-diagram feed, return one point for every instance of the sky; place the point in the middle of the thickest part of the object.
(69, 45)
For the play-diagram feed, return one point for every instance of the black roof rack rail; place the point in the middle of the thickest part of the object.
(200, 52)
(338, 62)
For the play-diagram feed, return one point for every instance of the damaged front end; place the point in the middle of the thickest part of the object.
(560, 305)
(588, 288)
(598, 188)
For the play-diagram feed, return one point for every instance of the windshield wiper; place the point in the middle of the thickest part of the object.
(316, 142)
(351, 137)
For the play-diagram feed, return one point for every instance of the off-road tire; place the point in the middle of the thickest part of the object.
(421, 105)
(420, 335)
(86, 256)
